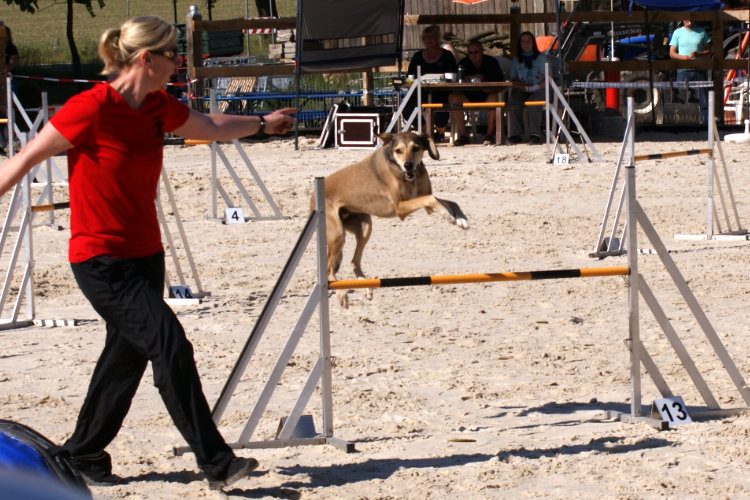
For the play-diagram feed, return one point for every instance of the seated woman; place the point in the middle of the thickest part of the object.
(432, 59)
(527, 67)
(477, 67)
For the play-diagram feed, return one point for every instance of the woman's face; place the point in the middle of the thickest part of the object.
(165, 63)
(527, 43)
(430, 40)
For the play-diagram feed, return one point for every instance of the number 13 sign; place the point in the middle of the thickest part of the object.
(671, 410)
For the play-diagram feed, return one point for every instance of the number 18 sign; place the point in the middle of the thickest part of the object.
(561, 159)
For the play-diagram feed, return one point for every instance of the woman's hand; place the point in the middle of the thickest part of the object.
(280, 121)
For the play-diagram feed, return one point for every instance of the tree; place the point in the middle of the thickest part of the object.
(32, 6)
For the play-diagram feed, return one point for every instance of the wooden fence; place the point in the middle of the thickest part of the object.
(464, 32)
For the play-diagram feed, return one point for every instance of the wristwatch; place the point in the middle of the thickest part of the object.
(262, 124)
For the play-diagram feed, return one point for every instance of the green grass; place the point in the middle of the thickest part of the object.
(41, 37)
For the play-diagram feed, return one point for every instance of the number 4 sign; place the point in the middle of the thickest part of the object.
(180, 292)
(671, 410)
(233, 215)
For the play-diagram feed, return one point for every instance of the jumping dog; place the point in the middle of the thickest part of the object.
(391, 182)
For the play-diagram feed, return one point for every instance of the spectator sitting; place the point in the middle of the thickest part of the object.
(688, 43)
(432, 59)
(527, 67)
(477, 67)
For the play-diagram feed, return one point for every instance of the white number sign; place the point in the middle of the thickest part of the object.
(561, 159)
(671, 410)
(233, 215)
(180, 292)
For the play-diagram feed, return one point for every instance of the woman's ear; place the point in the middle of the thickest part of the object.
(145, 58)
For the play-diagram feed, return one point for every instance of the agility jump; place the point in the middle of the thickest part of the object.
(728, 215)
(295, 431)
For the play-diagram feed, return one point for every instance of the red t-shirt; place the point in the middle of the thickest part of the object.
(113, 170)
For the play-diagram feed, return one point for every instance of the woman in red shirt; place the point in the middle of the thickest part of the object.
(113, 135)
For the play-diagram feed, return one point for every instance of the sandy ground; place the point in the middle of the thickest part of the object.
(456, 391)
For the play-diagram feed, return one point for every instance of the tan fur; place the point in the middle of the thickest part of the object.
(391, 182)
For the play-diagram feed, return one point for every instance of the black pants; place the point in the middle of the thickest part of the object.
(128, 294)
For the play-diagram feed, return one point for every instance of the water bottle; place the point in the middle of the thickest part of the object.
(460, 74)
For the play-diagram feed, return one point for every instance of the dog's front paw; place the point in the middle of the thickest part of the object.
(343, 298)
(368, 291)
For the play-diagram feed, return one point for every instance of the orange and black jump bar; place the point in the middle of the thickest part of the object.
(480, 278)
(672, 154)
(50, 206)
(469, 105)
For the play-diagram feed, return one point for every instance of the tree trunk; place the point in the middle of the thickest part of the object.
(75, 59)
(266, 8)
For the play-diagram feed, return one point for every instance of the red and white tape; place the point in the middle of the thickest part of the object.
(259, 31)
(78, 80)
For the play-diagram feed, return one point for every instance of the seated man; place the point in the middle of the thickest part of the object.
(476, 67)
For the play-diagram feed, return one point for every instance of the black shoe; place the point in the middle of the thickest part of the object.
(489, 140)
(237, 469)
(96, 470)
(535, 139)
(101, 479)
(462, 141)
(514, 139)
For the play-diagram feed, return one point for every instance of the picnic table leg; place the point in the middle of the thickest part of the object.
(499, 125)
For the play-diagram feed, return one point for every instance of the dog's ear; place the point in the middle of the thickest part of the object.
(385, 138)
(430, 146)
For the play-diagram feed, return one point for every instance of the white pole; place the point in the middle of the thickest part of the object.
(612, 33)
(326, 386)
(247, 34)
(634, 284)
(710, 179)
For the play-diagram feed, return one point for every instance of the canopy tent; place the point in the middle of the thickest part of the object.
(678, 6)
(348, 35)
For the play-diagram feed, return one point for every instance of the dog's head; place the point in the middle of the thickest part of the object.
(405, 150)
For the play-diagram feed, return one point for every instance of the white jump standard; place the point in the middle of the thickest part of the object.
(732, 228)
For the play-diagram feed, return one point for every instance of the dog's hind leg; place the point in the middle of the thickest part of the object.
(361, 226)
(335, 238)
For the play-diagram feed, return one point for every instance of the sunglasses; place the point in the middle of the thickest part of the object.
(168, 53)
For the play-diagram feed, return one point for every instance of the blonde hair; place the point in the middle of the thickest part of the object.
(118, 48)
